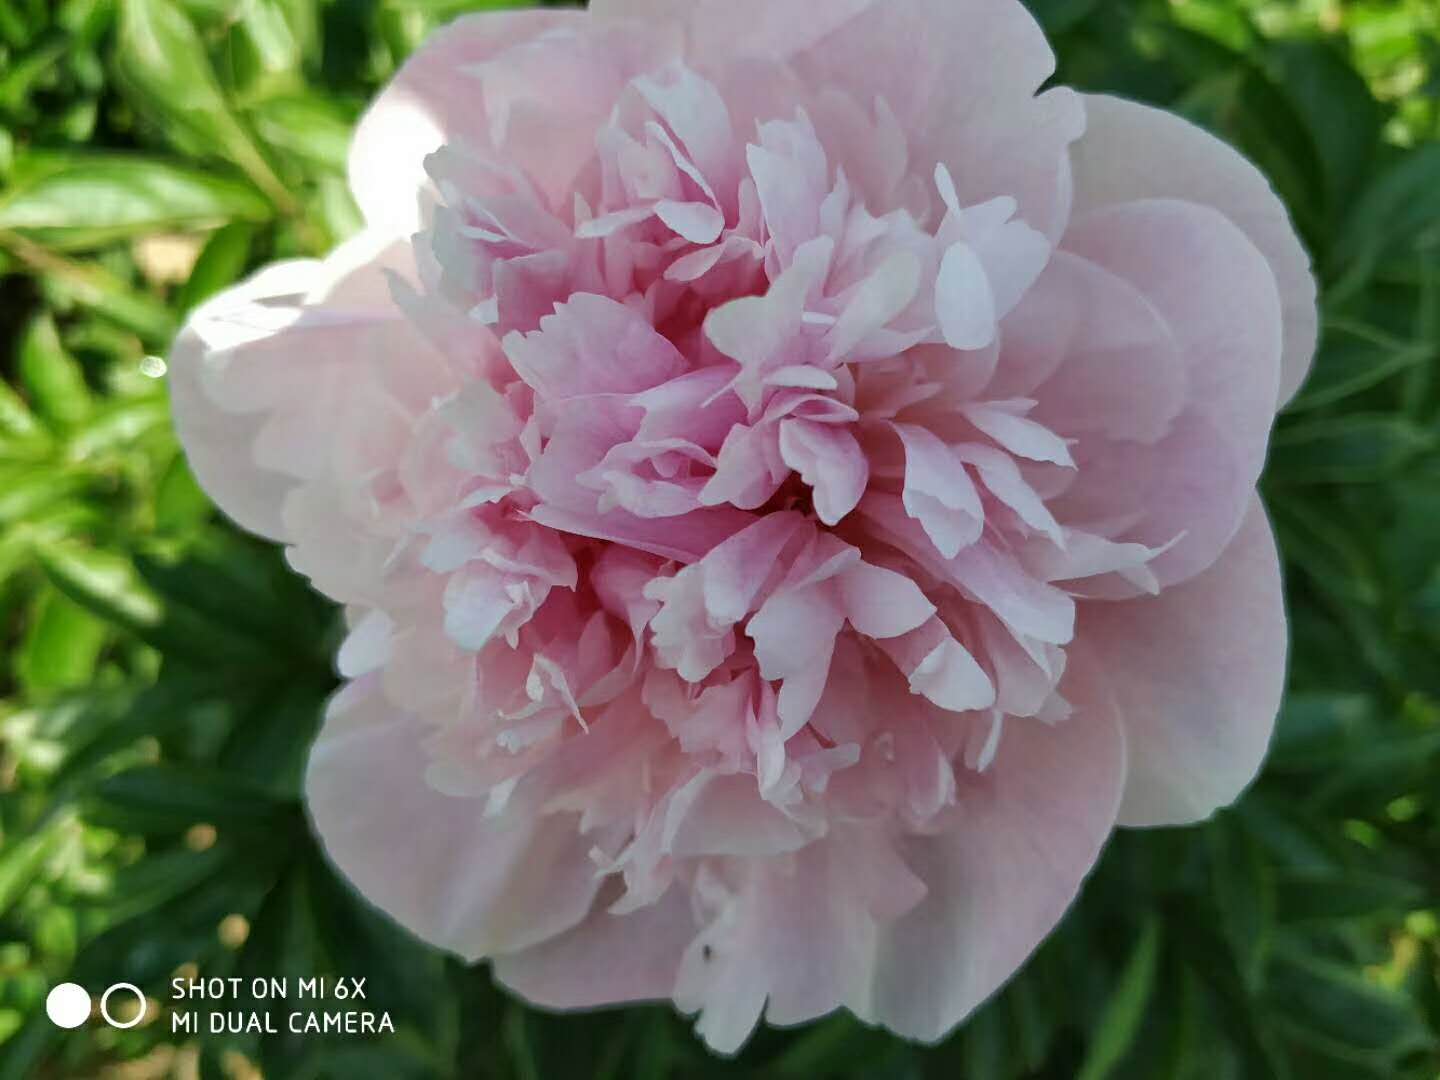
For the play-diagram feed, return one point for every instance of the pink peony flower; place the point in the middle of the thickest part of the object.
(791, 486)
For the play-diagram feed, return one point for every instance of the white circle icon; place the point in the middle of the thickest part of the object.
(105, 1005)
(68, 1005)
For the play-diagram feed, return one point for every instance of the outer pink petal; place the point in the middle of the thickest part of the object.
(292, 374)
(435, 863)
(772, 29)
(1132, 152)
(1217, 295)
(1094, 352)
(1196, 675)
(220, 444)
(607, 959)
(1022, 839)
(536, 82)
(432, 100)
(961, 78)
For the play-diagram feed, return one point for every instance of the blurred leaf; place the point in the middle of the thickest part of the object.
(1354, 357)
(1331, 1004)
(220, 264)
(831, 1047)
(269, 45)
(163, 63)
(1351, 449)
(180, 504)
(92, 286)
(312, 128)
(104, 583)
(1244, 891)
(97, 199)
(1397, 212)
(15, 416)
(1318, 731)
(1306, 896)
(1057, 16)
(22, 857)
(61, 645)
(1126, 1010)
(110, 586)
(53, 379)
(170, 799)
(26, 492)
(1339, 112)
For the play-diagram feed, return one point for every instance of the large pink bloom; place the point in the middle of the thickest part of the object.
(792, 488)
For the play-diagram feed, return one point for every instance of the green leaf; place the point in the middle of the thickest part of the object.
(268, 46)
(16, 419)
(26, 492)
(61, 645)
(1318, 731)
(90, 285)
(1244, 891)
(1352, 894)
(109, 585)
(1057, 16)
(23, 856)
(1397, 214)
(1347, 450)
(221, 262)
(1124, 1013)
(1330, 1002)
(163, 64)
(51, 376)
(314, 129)
(172, 798)
(105, 583)
(829, 1048)
(1353, 357)
(1339, 112)
(180, 504)
(99, 198)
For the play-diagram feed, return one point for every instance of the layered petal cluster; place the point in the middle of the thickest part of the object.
(791, 484)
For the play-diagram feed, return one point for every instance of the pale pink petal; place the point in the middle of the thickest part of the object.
(432, 100)
(1223, 310)
(415, 852)
(1132, 151)
(877, 300)
(939, 492)
(794, 635)
(1022, 839)
(1013, 255)
(607, 959)
(1094, 353)
(964, 301)
(593, 345)
(828, 458)
(881, 603)
(719, 814)
(532, 85)
(800, 934)
(961, 79)
(700, 223)
(1021, 436)
(940, 668)
(1196, 675)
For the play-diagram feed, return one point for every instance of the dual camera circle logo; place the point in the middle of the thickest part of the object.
(68, 1005)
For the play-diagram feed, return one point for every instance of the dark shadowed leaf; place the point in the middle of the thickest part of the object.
(1347, 450)
(1126, 1010)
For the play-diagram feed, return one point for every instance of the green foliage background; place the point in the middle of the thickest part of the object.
(162, 674)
